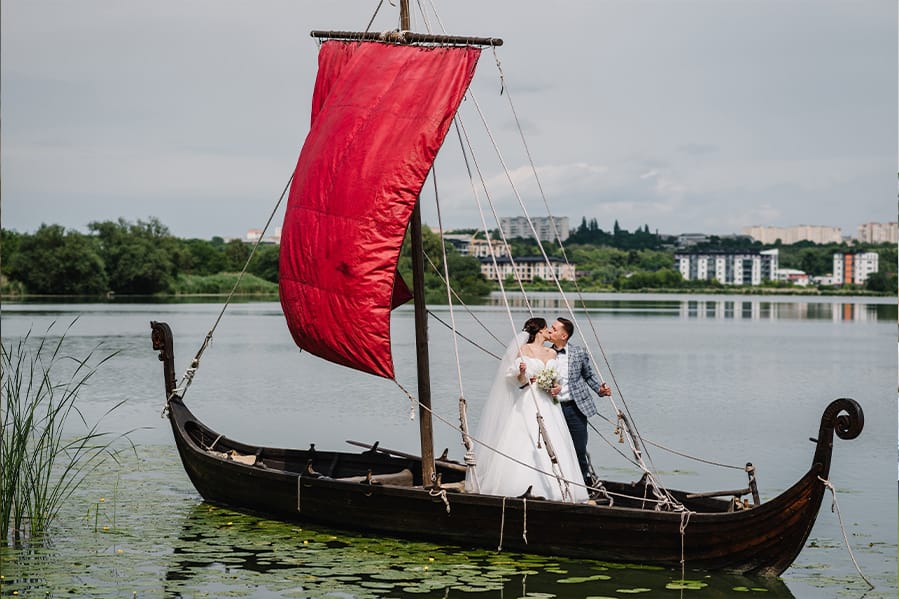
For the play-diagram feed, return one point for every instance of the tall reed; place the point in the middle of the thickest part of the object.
(41, 463)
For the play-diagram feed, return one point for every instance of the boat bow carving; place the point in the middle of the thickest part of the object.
(843, 416)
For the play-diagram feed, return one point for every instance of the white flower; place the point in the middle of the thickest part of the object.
(546, 378)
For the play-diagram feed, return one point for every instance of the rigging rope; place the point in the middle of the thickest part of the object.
(412, 400)
(456, 332)
(637, 438)
(836, 507)
(372, 20)
(446, 278)
(632, 435)
(470, 457)
(188, 376)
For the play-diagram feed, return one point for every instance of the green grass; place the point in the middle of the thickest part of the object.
(41, 464)
(222, 283)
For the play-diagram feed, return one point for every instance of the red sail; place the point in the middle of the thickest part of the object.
(379, 115)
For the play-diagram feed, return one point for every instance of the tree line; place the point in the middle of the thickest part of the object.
(143, 258)
(121, 257)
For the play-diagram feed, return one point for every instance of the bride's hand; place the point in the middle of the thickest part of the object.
(555, 390)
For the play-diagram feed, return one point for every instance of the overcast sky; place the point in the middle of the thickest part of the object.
(687, 116)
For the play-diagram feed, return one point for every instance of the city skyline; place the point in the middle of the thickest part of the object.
(699, 116)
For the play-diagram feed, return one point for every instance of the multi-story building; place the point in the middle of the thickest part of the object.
(690, 239)
(518, 226)
(746, 267)
(878, 233)
(789, 235)
(469, 245)
(482, 248)
(255, 235)
(854, 269)
(527, 268)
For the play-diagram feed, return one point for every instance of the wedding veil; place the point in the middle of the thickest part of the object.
(493, 416)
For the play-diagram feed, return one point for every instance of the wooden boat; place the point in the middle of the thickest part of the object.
(351, 200)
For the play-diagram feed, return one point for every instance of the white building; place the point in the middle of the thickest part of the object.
(481, 248)
(690, 239)
(791, 275)
(790, 235)
(527, 268)
(518, 226)
(854, 269)
(878, 233)
(254, 235)
(747, 267)
(469, 245)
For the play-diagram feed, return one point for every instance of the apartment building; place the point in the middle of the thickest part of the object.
(878, 233)
(789, 235)
(854, 269)
(517, 226)
(527, 268)
(744, 267)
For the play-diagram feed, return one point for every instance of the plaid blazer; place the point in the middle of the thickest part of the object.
(581, 379)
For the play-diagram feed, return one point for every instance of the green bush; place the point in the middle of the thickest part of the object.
(221, 284)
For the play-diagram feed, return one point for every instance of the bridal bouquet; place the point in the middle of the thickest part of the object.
(546, 378)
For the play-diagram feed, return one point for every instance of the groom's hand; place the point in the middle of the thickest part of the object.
(605, 390)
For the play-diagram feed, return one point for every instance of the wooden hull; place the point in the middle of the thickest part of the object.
(328, 488)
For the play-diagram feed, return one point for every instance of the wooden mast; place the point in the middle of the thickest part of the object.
(421, 324)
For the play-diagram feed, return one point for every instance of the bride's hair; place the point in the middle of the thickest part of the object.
(533, 326)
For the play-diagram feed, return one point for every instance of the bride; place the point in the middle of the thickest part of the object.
(514, 455)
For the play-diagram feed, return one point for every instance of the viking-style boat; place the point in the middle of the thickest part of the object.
(382, 106)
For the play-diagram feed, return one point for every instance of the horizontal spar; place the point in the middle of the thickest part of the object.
(408, 37)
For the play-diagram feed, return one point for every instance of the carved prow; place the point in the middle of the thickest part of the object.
(162, 341)
(843, 416)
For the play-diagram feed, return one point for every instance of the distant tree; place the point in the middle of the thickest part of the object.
(878, 281)
(140, 258)
(9, 245)
(236, 254)
(265, 263)
(815, 262)
(53, 261)
(667, 278)
(201, 257)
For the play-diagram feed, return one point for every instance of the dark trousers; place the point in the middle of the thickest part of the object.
(577, 425)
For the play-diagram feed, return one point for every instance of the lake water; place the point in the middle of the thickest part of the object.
(731, 379)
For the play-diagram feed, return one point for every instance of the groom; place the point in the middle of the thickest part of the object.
(573, 391)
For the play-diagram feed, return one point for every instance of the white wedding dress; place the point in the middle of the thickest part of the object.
(510, 454)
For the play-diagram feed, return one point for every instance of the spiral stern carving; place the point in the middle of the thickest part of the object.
(845, 417)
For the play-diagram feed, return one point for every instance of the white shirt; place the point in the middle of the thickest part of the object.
(562, 362)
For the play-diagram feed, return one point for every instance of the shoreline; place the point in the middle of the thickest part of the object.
(610, 293)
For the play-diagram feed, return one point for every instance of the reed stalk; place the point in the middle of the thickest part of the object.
(41, 464)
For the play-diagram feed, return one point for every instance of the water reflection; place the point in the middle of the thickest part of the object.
(757, 310)
(282, 560)
(719, 308)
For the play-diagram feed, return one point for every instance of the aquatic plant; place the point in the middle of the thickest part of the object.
(41, 464)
